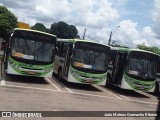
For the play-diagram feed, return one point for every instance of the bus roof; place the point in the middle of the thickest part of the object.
(76, 40)
(131, 49)
(21, 29)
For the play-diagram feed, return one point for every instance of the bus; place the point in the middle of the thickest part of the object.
(157, 89)
(132, 69)
(30, 53)
(81, 61)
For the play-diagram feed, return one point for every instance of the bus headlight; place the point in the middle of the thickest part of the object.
(11, 63)
(17, 66)
(72, 71)
(47, 70)
(104, 78)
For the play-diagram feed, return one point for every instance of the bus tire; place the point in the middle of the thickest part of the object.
(156, 90)
(108, 83)
(59, 74)
(7, 75)
(54, 75)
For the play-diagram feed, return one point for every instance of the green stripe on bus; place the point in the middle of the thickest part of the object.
(148, 85)
(96, 78)
(16, 66)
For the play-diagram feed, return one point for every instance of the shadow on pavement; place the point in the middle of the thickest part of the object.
(158, 109)
(78, 86)
(87, 87)
(25, 79)
(125, 92)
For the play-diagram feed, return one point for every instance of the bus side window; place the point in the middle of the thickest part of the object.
(59, 45)
(70, 50)
(57, 48)
(64, 49)
(112, 58)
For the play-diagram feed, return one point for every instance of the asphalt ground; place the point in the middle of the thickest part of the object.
(19, 93)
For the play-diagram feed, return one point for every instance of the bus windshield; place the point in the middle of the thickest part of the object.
(87, 58)
(142, 65)
(32, 50)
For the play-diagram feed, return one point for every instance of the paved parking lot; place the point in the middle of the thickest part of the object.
(52, 84)
(20, 93)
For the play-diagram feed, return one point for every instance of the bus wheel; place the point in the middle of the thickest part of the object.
(59, 75)
(108, 83)
(156, 91)
(54, 75)
(7, 75)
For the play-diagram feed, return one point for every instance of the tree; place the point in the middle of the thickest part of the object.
(39, 27)
(63, 30)
(8, 21)
(73, 31)
(152, 49)
(48, 30)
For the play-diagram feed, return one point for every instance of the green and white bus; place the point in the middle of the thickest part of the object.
(157, 89)
(30, 53)
(81, 61)
(132, 69)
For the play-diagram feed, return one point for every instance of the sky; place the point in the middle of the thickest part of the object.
(139, 20)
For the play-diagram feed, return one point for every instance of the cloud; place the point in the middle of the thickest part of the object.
(149, 35)
(98, 17)
(92, 13)
(44, 11)
(128, 35)
(156, 17)
(54, 8)
(20, 4)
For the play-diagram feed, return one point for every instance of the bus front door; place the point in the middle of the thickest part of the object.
(119, 68)
(67, 60)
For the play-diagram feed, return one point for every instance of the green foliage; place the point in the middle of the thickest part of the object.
(48, 30)
(152, 49)
(63, 30)
(39, 27)
(8, 21)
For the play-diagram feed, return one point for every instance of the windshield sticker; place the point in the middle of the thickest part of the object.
(94, 67)
(88, 66)
(133, 72)
(16, 54)
(28, 57)
(77, 64)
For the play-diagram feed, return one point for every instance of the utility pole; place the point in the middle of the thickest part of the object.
(110, 38)
(84, 33)
(111, 34)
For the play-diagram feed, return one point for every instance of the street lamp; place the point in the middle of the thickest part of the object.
(111, 34)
